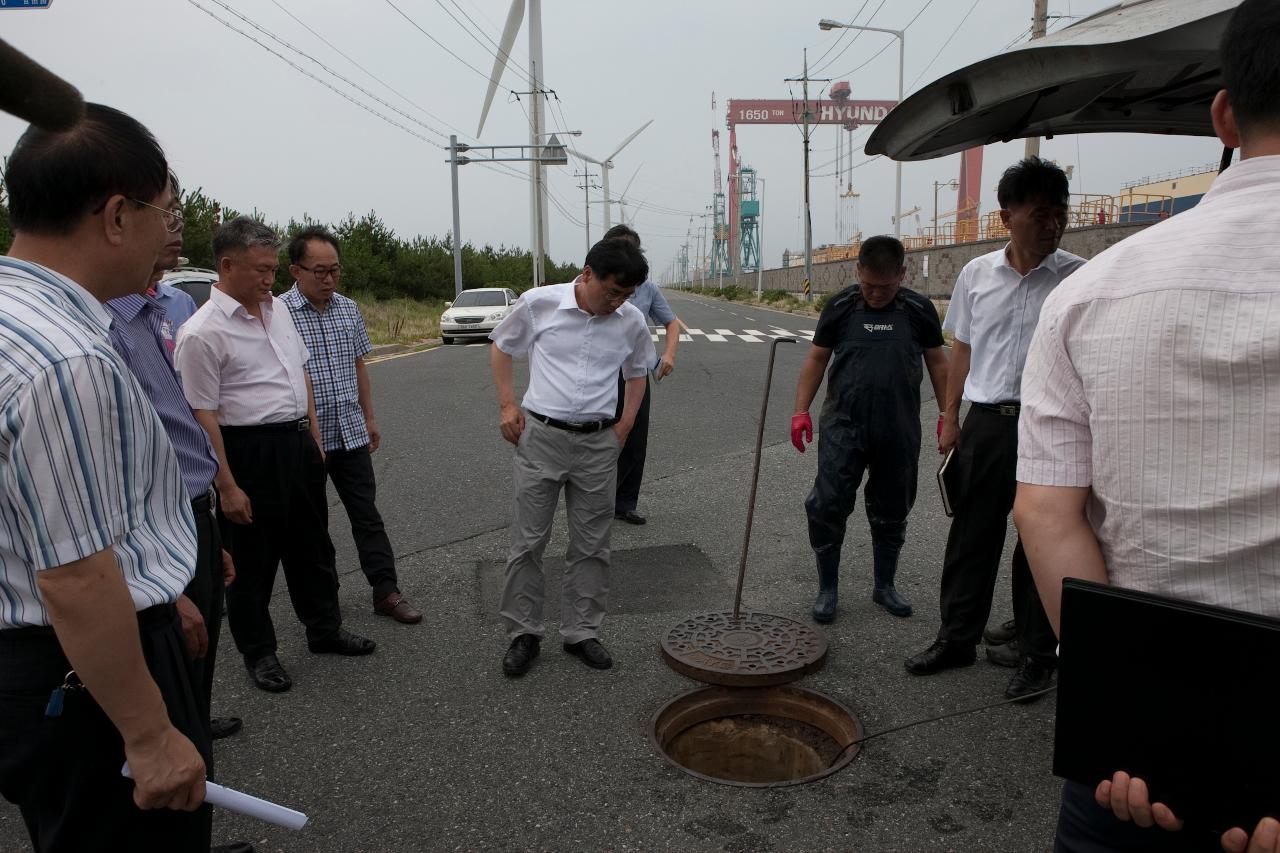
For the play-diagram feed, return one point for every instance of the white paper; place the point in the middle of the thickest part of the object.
(246, 804)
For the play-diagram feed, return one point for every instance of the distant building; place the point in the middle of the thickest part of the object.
(1162, 196)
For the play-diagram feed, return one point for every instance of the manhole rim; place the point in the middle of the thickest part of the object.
(728, 692)
(728, 677)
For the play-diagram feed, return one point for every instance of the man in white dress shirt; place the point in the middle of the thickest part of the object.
(241, 362)
(1147, 455)
(577, 337)
(993, 313)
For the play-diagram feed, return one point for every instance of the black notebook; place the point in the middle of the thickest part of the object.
(1183, 695)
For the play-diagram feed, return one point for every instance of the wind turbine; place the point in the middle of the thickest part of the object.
(606, 164)
(537, 194)
(624, 200)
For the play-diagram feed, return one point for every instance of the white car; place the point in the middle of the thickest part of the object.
(475, 313)
(193, 281)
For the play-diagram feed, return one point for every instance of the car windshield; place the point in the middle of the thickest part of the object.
(479, 298)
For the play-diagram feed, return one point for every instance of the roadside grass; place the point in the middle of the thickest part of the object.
(400, 321)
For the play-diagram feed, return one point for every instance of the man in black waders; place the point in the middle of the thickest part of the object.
(870, 420)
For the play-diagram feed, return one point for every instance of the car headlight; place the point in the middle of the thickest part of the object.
(497, 315)
(446, 317)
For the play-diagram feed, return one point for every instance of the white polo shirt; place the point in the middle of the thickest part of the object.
(249, 371)
(574, 356)
(994, 310)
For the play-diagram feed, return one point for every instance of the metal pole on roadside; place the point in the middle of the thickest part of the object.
(808, 219)
(760, 245)
(1039, 23)
(457, 227)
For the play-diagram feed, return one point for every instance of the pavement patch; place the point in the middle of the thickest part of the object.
(657, 579)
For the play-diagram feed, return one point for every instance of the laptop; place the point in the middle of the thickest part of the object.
(1181, 694)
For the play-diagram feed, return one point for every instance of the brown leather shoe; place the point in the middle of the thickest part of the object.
(398, 608)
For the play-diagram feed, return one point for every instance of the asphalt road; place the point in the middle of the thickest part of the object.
(426, 746)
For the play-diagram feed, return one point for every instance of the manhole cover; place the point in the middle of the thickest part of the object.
(747, 650)
(756, 737)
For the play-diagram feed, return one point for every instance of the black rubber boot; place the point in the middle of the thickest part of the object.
(885, 594)
(824, 607)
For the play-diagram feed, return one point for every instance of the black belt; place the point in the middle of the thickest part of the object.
(586, 426)
(205, 503)
(1010, 409)
(155, 615)
(300, 425)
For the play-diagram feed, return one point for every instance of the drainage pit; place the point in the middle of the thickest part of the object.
(756, 737)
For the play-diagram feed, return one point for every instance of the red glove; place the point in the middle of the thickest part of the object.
(801, 430)
(940, 419)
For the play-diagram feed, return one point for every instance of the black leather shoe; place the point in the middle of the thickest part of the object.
(1001, 634)
(342, 642)
(1030, 679)
(268, 674)
(630, 517)
(824, 606)
(888, 598)
(592, 653)
(941, 655)
(1007, 655)
(220, 727)
(520, 655)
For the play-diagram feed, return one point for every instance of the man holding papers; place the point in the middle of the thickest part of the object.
(1147, 448)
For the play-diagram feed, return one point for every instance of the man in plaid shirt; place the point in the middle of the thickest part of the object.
(335, 335)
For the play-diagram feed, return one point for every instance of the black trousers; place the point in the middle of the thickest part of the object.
(64, 773)
(283, 474)
(631, 459)
(1086, 827)
(986, 473)
(844, 454)
(352, 474)
(206, 592)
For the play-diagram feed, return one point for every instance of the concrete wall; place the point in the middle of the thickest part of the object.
(945, 263)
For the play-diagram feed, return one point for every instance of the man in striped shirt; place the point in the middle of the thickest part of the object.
(1148, 443)
(97, 539)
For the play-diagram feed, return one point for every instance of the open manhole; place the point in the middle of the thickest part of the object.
(756, 737)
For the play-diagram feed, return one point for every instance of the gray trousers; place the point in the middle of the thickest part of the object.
(586, 465)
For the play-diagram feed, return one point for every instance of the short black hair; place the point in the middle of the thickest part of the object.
(622, 231)
(298, 245)
(1033, 179)
(620, 259)
(1250, 56)
(242, 233)
(882, 254)
(55, 178)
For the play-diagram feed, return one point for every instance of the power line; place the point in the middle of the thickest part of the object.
(843, 32)
(322, 82)
(435, 40)
(375, 77)
(857, 34)
(506, 59)
(305, 55)
(923, 8)
(954, 30)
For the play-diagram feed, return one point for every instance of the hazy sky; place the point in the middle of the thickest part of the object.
(258, 133)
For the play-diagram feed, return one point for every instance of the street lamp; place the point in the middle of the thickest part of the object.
(901, 36)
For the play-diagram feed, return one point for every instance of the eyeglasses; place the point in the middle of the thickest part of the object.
(324, 272)
(173, 220)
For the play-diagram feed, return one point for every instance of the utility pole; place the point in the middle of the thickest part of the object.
(1039, 22)
(760, 243)
(587, 186)
(457, 227)
(808, 219)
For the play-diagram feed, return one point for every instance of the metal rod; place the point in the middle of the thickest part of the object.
(457, 228)
(755, 476)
